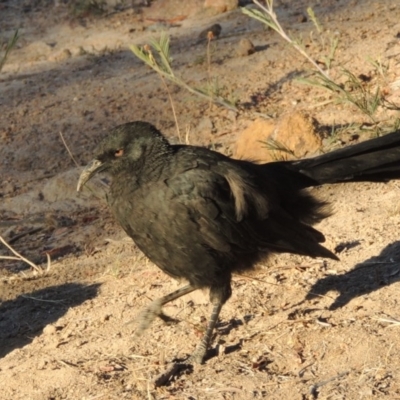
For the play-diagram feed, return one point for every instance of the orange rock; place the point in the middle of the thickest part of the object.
(221, 5)
(295, 132)
(249, 145)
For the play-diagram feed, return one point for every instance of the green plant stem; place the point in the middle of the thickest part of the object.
(272, 21)
(166, 72)
(11, 43)
(173, 108)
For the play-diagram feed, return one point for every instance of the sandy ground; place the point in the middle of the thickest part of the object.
(298, 328)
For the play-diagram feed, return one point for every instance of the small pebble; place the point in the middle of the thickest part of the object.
(49, 330)
(245, 48)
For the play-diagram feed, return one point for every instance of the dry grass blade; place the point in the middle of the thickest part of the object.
(42, 300)
(389, 320)
(9, 47)
(9, 258)
(69, 151)
(172, 107)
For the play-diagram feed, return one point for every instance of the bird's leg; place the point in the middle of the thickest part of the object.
(201, 349)
(154, 310)
(218, 296)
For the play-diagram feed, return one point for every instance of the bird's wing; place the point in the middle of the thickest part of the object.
(204, 201)
(234, 214)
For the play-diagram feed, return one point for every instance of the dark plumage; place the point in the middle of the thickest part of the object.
(202, 216)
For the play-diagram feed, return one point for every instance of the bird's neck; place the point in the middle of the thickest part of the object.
(152, 166)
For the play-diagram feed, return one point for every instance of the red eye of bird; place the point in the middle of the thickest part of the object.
(119, 153)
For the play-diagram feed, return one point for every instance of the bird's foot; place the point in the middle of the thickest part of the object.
(199, 354)
(149, 314)
(177, 368)
(172, 372)
(182, 366)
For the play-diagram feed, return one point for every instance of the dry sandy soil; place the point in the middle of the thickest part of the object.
(298, 328)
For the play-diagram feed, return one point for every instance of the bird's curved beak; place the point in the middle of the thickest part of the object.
(91, 169)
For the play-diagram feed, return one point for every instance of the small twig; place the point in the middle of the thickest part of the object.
(303, 370)
(137, 356)
(68, 363)
(22, 258)
(209, 38)
(390, 320)
(187, 135)
(173, 108)
(125, 239)
(69, 151)
(149, 396)
(44, 301)
(314, 388)
(48, 262)
(9, 258)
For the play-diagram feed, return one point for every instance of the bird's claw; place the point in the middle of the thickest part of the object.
(199, 354)
(179, 367)
(149, 314)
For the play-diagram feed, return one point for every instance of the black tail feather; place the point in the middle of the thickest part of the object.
(377, 159)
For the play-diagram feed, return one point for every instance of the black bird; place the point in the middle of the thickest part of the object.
(202, 216)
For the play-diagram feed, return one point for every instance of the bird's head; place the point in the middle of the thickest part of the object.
(127, 146)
